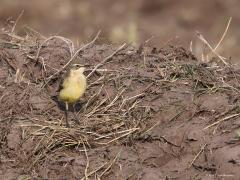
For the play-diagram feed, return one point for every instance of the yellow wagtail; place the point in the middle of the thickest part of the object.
(73, 88)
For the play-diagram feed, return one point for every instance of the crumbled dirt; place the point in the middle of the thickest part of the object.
(148, 113)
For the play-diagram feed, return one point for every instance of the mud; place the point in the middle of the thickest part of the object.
(148, 113)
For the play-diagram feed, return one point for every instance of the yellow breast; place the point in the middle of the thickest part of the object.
(74, 87)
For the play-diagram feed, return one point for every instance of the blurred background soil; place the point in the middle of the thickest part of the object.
(183, 114)
(173, 21)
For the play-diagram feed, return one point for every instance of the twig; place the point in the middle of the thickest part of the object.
(198, 154)
(111, 164)
(169, 142)
(106, 59)
(200, 36)
(190, 47)
(87, 165)
(148, 40)
(94, 171)
(114, 100)
(67, 41)
(35, 32)
(95, 109)
(224, 34)
(19, 16)
(129, 98)
(72, 58)
(132, 130)
(152, 127)
(92, 98)
(221, 120)
(112, 133)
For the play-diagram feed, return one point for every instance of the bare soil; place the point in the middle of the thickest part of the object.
(148, 113)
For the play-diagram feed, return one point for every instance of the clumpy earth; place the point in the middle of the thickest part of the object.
(148, 113)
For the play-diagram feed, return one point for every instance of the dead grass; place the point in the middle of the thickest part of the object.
(103, 121)
(117, 118)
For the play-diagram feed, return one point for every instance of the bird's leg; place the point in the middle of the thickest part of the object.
(66, 114)
(75, 116)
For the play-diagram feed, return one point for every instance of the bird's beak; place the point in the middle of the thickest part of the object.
(81, 69)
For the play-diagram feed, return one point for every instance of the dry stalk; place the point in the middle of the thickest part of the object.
(115, 139)
(198, 154)
(94, 171)
(221, 120)
(130, 98)
(18, 18)
(200, 36)
(96, 82)
(113, 134)
(105, 60)
(114, 100)
(87, 164)
(93, 97)
(71, 50)
(96, 108)
(111, 164)
(224, 34)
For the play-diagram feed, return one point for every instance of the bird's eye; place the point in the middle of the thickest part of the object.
(77, 66)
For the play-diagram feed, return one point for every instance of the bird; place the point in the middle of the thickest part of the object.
(73, 87)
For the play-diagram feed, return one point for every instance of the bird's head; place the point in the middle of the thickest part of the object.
(76, 70)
